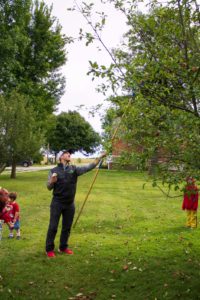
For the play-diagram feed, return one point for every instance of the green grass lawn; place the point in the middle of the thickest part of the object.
(130, 243)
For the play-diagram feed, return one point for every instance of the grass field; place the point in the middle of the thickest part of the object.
(130, 243)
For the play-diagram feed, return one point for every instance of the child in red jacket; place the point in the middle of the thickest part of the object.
(14, 215)
(4, 216)
(190, 202)
(3, 199)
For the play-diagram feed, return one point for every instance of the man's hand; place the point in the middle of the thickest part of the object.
(53, 179)
(98, 159)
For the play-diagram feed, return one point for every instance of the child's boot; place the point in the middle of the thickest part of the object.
(11, 235)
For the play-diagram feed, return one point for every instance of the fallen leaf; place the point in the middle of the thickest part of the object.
(140, 269)
(79, 295)
(119, 227)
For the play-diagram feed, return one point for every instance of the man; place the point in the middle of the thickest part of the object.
(62, 180)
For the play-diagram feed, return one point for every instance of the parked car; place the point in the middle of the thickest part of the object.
(25, 163)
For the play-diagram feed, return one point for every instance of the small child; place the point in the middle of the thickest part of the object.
(14, 215)
(4, 216)
(190, 202)
(3, 199)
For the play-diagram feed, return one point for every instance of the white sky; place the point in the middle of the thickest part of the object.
(80, 89)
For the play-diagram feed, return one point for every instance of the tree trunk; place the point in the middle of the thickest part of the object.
(55, 157)
(13, 171)
(153, 163)
(2, 167)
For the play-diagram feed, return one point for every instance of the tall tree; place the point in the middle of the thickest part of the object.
(18, 136)
(72, 131)
(159, 60)
(32, 50)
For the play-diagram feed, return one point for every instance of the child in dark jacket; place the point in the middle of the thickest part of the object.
(190, 202)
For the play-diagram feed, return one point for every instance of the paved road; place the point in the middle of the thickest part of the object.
(30, 169)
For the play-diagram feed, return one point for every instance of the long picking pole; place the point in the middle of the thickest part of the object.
(97, 171)
(86, 197)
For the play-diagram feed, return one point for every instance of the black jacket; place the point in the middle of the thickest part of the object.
(64, 189)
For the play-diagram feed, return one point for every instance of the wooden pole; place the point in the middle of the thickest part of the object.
(86, 197)
(97, 171)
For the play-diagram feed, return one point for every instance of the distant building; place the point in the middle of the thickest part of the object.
(119, 146)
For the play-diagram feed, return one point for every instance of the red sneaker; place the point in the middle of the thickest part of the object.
(50, 254)
(67, 251)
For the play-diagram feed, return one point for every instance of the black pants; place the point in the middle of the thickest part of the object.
(67, 212)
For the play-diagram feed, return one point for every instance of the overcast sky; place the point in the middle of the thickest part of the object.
(80, 89)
